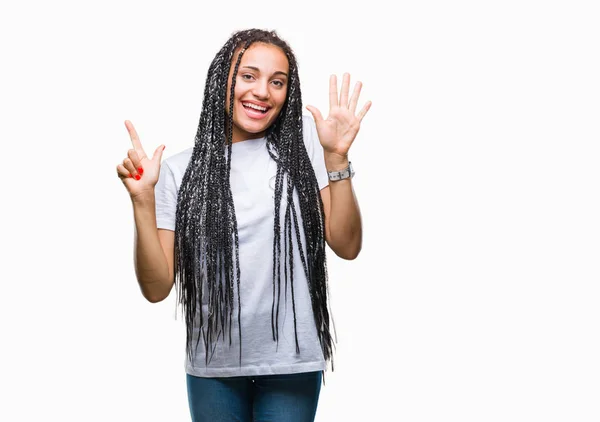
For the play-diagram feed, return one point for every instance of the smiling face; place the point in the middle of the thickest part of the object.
(260, 90)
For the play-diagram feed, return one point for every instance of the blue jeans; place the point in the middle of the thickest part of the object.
(280, 398)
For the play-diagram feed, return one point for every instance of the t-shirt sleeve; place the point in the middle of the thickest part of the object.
(315, 152)
(165, 194)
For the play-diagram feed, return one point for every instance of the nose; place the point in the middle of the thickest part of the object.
(261, 89)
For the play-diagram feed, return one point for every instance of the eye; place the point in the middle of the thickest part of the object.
(279, 84)
(247, 76)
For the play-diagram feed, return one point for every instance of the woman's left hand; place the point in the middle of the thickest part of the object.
(338, 130)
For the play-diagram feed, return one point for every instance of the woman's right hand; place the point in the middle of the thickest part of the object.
(139, 173)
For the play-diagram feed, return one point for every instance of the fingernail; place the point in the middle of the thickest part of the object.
(138, 177)
(130, 175)
(141, 170)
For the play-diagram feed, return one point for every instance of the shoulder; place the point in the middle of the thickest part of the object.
(172, 169)
(178, 162)
(308, 123)
(309, 132)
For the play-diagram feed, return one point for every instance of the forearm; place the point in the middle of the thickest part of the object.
(345, 226)
(151, 266)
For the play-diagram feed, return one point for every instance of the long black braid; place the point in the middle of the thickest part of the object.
(206, 237)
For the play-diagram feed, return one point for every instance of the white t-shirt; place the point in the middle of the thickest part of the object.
(253, 187)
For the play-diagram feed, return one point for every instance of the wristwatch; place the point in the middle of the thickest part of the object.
(342, 174)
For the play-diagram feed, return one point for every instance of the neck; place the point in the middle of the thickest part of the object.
(240, 136)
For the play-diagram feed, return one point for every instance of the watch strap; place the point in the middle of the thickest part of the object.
(346, 173)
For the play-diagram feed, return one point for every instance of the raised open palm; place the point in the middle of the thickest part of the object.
(339, 129)
(138, 172)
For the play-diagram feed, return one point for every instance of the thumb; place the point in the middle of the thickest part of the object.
(315, 113)
(158, 153)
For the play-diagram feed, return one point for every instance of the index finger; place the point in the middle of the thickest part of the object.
(135, 139)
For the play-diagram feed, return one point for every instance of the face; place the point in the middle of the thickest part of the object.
(260, 90)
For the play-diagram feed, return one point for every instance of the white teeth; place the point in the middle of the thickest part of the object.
(254, 106)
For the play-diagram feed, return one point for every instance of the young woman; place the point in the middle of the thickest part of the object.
(239, 223)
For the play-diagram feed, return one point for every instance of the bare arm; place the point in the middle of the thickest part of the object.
(153, 251)
(153, 248)
(343, 226)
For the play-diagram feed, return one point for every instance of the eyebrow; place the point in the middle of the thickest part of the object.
(279, 72)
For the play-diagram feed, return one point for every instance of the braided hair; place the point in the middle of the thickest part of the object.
(206, 236)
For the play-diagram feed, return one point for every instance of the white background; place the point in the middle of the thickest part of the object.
(476, 296)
